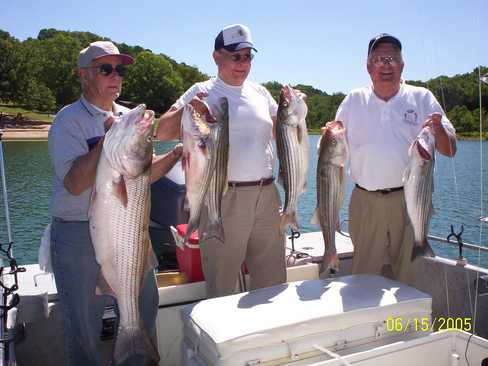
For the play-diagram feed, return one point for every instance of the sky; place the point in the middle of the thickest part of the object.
(320, 43)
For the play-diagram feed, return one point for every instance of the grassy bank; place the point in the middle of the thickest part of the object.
(27, 114)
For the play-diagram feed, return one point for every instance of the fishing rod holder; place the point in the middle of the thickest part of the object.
(461, 260)
(295, 254)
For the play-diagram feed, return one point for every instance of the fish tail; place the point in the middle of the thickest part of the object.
(190, 228)
(290, 220)
(422, 250)
(330, 265)
(215, 230)
(134, 341)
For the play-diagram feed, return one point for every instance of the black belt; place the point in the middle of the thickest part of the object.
(262, 182)
(382, 191)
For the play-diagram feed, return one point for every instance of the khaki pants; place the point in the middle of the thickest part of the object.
(382, 234)
(251, 220)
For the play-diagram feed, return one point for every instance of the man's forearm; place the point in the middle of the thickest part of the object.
(82, 174)
(162, 164)
(445, 142)
(169, 125)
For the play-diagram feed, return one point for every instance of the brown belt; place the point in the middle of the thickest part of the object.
(382, 191)
(262, 182)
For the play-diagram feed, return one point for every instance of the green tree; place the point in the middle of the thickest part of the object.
(152, 80)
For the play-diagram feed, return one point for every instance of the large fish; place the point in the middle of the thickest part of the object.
(293, 151)
(205, 156)
(219, 131)
(119, 219)
(331, 185)
(418, 185)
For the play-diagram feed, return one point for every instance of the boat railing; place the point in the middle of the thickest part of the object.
(455, 244)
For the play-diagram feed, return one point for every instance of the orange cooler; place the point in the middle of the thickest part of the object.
(188, 254)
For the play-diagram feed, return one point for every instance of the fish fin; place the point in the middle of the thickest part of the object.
(134, 341)
(190, 228)
(299, 134)
(424, 250)
(121, 190)
(103, 288)
(289, 220)
(315, 218)
(214, 230)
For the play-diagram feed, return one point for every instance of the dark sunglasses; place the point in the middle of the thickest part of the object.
(237, 57)
(107, 69)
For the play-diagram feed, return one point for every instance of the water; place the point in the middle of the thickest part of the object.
(456, 197)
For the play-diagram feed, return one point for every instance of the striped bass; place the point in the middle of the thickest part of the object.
(418, 185)
(219, 182)
(293, 151)
(331, 185)
(119, 220)
(205, 155)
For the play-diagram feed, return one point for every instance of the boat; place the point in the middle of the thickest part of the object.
(340, 319)
(310, 321)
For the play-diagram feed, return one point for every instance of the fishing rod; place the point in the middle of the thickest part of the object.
(9, 298)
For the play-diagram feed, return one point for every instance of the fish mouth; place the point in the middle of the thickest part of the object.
(335, 127)
(424, 154)
(285, 92)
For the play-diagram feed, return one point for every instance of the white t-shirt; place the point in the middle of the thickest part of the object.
(251, 107)
(380, 133)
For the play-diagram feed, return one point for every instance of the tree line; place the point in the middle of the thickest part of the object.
(40, 74)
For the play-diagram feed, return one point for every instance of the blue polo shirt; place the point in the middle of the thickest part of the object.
(75, 131)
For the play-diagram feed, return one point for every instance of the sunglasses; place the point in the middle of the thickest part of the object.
(386, 60)
(108, 69)
(237, 57)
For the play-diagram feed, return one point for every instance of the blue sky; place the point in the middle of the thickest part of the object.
(320, 43)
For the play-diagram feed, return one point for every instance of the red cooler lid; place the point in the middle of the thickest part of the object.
(193, 239)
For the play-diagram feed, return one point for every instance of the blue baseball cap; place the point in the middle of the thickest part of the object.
(383, 38)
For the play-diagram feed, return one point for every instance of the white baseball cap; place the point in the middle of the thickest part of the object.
(234, 37)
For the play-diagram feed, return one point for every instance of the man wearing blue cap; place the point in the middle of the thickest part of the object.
(250, 208)
(381, 121)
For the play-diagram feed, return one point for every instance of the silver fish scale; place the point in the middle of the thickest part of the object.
(196, 209)
(132, 238)
(419, 188)
(330, 196)
(290, 160)
(218, 183)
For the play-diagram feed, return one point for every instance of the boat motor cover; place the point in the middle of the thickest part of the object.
(289, 319)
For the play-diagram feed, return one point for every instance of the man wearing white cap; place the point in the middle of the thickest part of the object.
(250, 207)
(382, 120)
(75, 144)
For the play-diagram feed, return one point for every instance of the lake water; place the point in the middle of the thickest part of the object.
(457, 198)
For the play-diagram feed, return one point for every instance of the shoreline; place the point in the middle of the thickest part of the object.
(41, 134)
(25, 134)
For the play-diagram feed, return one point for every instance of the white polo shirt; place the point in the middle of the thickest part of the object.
(380, 133)
(251, 107)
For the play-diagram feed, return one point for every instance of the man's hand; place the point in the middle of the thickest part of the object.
(199, 105)
(178, 150)
(435, 121)
(108, 123)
